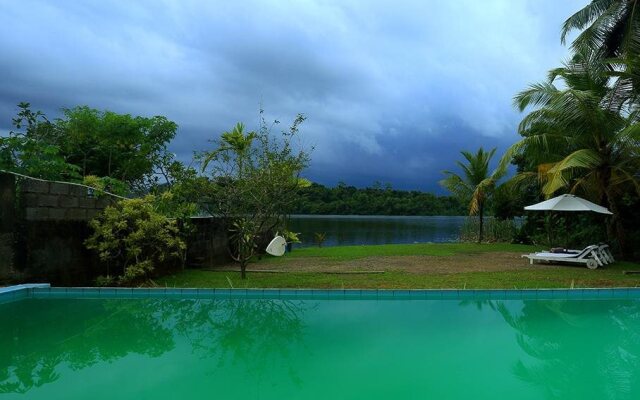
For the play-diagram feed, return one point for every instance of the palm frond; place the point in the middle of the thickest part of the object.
(456, 185)
(583, 17)
(537, 94)
(560, 173)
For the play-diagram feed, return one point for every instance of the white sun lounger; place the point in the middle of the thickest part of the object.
(589, 256)
(604, 253)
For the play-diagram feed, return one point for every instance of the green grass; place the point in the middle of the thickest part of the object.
(563, 277)
(558, 277)
(344, 253)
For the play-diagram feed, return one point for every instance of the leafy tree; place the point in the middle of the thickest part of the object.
(254, 181)
(119, 146)
(475, 184)
(609, 28)
(576, 141)
(610, 39)
(87, 142)
(178, 196)
(31, 148)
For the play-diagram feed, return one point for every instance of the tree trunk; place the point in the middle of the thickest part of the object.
(614, 226)
(243, 269)
(481, 212)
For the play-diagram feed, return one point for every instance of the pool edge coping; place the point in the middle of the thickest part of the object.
(18, 292)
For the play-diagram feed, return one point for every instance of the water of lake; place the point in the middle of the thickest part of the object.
(342, 230)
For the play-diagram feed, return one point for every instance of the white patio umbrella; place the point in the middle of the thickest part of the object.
(568, 202)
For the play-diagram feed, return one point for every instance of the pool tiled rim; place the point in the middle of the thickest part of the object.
(19, 292)
(41, 291)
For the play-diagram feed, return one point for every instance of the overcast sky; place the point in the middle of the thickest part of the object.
(392, 90)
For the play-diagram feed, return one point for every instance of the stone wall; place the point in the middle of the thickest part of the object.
(7, 222)
(56, 201)
(207, 244)
(43, 227)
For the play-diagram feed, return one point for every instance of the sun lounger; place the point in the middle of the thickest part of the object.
(604, 253)
(589, 256)
(605, 250)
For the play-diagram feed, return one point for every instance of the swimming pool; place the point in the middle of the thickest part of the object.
(75, 343)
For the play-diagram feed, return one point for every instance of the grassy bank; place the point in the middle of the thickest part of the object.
(344, 253)
(413, 266)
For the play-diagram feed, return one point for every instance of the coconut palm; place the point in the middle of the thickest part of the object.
(577, 140)
(610, 34)
(610, 28)
(476, 183)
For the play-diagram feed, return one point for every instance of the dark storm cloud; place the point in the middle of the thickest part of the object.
(392, 93)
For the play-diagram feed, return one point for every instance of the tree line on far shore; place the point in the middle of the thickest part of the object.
(377, 199)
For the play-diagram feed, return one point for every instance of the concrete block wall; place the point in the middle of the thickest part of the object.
(207, 244)
(57, 201)
(7, 223)
(43, 227)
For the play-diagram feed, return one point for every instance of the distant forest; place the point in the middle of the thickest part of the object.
(376, 200)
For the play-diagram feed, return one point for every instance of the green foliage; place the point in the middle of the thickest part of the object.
(610, 28)
(476, 184)
(32, 150)
(568, 230)
(577, 141)
(179, 196)
(319, 238)
(105, 184)
(133, 238)
(120, 146)
(254, 182)
(291, 237)
(87, 142)
(582, 134)
(316, 199)
(495, 230)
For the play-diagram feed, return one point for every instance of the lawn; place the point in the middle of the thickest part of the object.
(410, 266)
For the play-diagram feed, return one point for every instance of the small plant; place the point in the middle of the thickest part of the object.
(291, 237)
(107, 280)
(132, 237)
(319, 238)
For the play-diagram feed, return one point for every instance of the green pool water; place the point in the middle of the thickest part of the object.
(319, 349)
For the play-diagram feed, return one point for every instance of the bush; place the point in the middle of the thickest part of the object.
(133, 238)
(570, 230)
(495, 230)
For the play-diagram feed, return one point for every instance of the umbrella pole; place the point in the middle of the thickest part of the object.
(547, 223)
(566, 231)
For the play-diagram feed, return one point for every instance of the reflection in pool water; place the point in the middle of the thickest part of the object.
(314, 349)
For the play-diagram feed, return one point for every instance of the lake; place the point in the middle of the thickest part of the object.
(342, 230)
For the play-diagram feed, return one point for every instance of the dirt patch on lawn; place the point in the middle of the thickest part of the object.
(479, 262)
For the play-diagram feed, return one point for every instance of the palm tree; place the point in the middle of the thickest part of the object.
(475, 184)
(610, 28)
(610, 35)
(577, 140)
